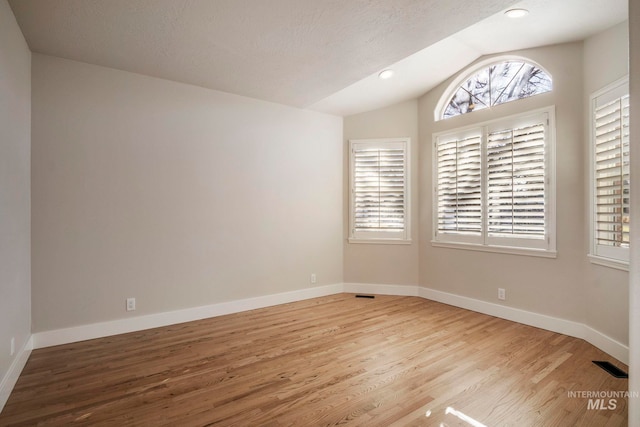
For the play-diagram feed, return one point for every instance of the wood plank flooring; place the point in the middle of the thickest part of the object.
(336, 360)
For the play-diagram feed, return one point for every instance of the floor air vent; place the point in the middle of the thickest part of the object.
(613, 370)
(365, 296)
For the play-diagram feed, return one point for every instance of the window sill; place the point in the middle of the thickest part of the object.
(541, 253)
(380, 241)
(609, 262)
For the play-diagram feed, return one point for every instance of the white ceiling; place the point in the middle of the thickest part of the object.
(295, 52)
(549, 22)
(319, 54)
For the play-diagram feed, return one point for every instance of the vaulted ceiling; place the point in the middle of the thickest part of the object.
(319, 54)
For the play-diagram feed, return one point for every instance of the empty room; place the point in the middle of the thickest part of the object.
(319, 212)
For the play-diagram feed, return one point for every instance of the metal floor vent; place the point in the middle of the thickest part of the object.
(365, 296)
(613, 370)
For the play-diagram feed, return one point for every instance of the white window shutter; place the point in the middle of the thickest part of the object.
(494, 185)
(379, 189)
(611, 171)
(459, 185)
(516, 182)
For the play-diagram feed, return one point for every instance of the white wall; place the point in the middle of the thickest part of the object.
(15, 200)
(378, 263)
(606, 60)
(634, 273)
(173, 194)
(552, 287)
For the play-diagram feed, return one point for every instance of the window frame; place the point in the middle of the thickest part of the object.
(381, 237)
(545, 247)
(613, 257)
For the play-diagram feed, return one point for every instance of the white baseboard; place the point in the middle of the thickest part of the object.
(10, 379)
(120, 326)
(607, 344)
(542, 321)
(133, 324)
(103, 329)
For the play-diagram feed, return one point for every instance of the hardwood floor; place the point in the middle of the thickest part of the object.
(326, 361)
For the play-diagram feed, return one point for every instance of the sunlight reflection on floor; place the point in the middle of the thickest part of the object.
(459, 415)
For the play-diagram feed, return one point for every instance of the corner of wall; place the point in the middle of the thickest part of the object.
(11, 377)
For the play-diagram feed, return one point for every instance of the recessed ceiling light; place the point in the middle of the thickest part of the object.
(386, 74)
(516, 13)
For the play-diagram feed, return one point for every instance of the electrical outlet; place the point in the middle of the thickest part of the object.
(313, 278)
(502, 295)
(13, 346)
(131, 304)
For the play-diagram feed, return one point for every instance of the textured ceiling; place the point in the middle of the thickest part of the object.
(295, 52)
(549, 22)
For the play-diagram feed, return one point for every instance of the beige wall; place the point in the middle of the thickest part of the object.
(173, 194)
(383, 263)
(567, 287)
(548, 286)
(606, 59)
(15, 239)
(181, 196)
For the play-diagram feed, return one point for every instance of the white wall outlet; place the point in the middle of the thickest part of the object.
(502, 295)
(314, 279)
(13, 346)
(131, 304)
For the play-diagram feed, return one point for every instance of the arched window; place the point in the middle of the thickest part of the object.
(497, 83)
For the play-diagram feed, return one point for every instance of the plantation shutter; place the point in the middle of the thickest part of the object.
(611, 168)
(379, 189)
(494, 185)
(459, 186)
(516, 181)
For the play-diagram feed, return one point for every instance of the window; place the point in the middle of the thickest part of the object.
(495, 84)
(494, 185)
(379, 181)
(610, 175)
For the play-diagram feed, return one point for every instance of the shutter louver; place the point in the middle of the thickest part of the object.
(379, 188)
(459, 185)
(516, 182)
(611, 173)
